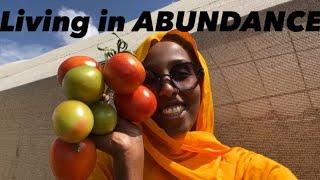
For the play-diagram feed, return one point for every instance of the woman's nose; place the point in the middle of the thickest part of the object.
(167, 89)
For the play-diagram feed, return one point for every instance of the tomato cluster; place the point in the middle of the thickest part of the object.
(125, 75)
(85, 83)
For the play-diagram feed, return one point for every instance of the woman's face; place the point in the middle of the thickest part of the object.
(177, 110)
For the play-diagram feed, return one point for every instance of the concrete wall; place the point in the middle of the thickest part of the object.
(25, 129)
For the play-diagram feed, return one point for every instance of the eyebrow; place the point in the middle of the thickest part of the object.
(170, 64)
(177, 61)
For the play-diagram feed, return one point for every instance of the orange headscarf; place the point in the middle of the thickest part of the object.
(198, 154)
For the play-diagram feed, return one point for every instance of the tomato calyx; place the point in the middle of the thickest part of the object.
(107, 96)
(77, 147)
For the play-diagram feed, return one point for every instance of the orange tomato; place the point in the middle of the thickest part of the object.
(137, 106)
(72, 121)
(123, 73)
(72, 161)
(72, 62)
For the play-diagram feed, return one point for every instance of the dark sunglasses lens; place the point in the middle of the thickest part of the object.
(184, 76)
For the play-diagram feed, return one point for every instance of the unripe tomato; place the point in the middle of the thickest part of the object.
(72, 62)
(123, 73)
(105, 118)
(72, 161)
(72, 121)
(83, 83)
(137, 106)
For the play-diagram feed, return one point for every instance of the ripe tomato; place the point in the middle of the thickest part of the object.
(137, 106)
(72, 62)
(72, 161)
(123, 73)
(83, 83)
(72, 121)
(105, 118)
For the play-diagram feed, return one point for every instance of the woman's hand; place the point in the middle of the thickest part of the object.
(125, 145)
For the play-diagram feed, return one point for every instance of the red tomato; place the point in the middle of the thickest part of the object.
(72, 62)
(137, 106)
(123, 73)
(72, 162)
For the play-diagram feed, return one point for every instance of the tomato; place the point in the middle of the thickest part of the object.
(105, 118)
(123, 73)
(83, 83)
(137, 106)
(72, 121)
(72, 62)
(72, 161)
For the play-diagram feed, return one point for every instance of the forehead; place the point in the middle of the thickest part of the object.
(165, 54)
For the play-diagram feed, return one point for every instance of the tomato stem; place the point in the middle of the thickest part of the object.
(108, 52)
(110, 93)
(121, 44)
(121, 47)
(78, 147)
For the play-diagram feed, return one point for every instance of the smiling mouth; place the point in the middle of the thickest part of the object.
(173, 111)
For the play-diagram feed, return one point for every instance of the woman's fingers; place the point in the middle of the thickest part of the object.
(124, 136)
(127, 127)
(102, 142)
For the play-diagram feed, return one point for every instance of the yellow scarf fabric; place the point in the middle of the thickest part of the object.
(198, 154)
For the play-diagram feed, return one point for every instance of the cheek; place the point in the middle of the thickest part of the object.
(195, 96)
(194, 99)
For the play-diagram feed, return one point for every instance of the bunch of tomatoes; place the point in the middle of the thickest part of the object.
(85, 84)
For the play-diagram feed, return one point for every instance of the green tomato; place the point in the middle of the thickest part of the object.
(72, 121)
(83, 83)
(105, 118)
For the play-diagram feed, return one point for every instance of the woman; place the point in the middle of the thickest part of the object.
(177, 143)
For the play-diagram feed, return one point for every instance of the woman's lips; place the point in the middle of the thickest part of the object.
(173, 111)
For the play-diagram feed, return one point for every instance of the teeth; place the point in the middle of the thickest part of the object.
(172, 110)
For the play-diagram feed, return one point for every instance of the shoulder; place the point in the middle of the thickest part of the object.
(256, 166)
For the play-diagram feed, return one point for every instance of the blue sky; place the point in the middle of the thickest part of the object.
(24, 45)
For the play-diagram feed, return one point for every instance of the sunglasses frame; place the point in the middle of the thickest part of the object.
(198, 73)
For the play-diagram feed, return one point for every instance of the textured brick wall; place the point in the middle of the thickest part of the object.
(266, 91)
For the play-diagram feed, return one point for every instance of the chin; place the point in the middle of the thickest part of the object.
(175, 126)
(179, 131)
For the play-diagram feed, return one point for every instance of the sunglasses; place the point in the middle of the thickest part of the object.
(183, 76)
